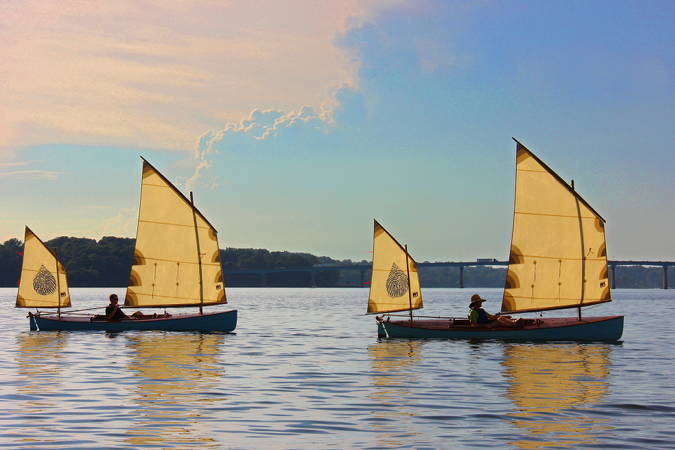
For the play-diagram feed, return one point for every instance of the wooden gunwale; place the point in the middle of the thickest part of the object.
(87, 318)
(546, 323)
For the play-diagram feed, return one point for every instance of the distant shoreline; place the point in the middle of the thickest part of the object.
(106, 262)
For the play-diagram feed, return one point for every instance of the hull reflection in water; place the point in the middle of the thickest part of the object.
(393, 365)
(179, 376)
(546, 383)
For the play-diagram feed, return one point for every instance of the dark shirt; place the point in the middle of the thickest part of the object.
(119, 314)
(483, 316)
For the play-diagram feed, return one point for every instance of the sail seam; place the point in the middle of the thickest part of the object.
(177, 261)
(563, 258)
(555, 215)
(556, 298)
(173, 224)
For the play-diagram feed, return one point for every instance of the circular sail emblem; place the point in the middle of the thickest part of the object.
(44, 282)
(397, 282)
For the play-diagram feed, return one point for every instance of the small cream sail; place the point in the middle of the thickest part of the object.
(558, 255)
(43, 282)
(394, 283)
(176, 258)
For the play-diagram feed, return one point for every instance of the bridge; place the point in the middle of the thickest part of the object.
(263, 274)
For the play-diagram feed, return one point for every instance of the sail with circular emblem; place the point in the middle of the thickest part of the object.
(176, 257)
(394, 282)
(43, 282)
(558, 255)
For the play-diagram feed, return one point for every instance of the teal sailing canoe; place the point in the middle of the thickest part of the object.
(553, 329)
(223, 321)
(558, 260)
(176, 264)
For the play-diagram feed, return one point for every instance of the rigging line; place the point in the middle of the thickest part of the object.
(83, 309)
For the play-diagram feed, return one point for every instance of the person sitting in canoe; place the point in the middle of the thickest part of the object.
(479, 317)
(114, 313)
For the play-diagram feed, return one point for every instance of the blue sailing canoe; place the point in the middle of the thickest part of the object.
(224, 321)
(550, 329)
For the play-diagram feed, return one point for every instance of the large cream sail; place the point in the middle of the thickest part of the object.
(394, 284)
(558, 256)
(43, 282)
(166, 267)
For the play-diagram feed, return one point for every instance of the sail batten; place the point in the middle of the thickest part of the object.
(558, 255)
(394, 282)
(168, 264)
(43, 282)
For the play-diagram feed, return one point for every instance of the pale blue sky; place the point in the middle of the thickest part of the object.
(415, 131)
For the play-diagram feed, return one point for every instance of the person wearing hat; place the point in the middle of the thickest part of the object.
(479, 317)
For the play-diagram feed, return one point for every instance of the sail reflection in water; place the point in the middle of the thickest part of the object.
(178, 382)
(393, 374)
(551, 386)
(40, 368)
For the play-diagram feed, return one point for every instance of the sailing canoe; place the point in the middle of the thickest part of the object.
(548, 329)
(222, 321)
(176, 264)
(558, 260)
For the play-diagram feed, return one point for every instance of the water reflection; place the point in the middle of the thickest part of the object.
(394, 377)
(551, 385)
(178, 381)
(40, 364)
(40, 367)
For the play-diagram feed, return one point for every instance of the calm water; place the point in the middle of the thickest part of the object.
(305, 370)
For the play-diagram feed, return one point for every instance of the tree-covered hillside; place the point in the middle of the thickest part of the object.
(106, 263)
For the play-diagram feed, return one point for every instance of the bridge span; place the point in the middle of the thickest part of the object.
(363, 269)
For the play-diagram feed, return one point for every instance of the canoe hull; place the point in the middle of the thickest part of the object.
(552, 329)
(223, 321)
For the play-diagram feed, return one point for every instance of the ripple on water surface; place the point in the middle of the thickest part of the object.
(305, 370)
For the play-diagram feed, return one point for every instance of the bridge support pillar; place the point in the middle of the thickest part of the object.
(613, 267)
(313, 278)
(665, 276)
(461, 277)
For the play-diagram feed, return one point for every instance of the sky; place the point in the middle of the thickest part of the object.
(297, 123)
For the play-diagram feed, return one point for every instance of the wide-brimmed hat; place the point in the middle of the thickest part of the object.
(476, 300)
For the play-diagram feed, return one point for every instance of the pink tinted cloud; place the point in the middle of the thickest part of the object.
(158, 74)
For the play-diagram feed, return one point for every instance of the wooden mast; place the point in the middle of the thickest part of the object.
(583, 255)
(407, 270)
(58, 287)
(199, 255)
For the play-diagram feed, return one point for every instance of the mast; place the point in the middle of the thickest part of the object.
(407, 272)
(58, 288)
(199, 255)
(583, 255)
